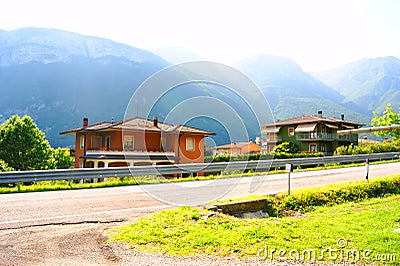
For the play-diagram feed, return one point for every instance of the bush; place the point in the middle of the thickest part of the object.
(366, 148)
(283, 155)
(4, 167)
(286, 147)
(304, 200)
(242, 157)
(61, 159)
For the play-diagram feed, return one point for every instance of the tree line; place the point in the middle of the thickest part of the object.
(23, 146)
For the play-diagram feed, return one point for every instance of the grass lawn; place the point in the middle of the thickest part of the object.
(353, 231)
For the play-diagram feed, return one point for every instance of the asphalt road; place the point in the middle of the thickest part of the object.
(126, 203)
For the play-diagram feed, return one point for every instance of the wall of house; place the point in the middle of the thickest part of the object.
(305, 145)
(194, 156)
(151, 142)
(78, 151)
(284, 134)
(115, 140)
(235, 151)
(172, 144)
(115, 143)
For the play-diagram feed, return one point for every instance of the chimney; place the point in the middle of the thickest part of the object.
(85, 122)
(155, 121)
(342, 115)
(320, 114)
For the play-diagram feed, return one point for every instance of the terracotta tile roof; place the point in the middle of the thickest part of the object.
(139, 124)
(234, 145)
(307, 119)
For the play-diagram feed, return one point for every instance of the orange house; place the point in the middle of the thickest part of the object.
(238, 148)
(136, 141)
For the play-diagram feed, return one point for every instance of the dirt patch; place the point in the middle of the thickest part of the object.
(292, 213)
(79, 244)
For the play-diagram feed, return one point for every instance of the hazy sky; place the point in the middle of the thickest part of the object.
(316, 34)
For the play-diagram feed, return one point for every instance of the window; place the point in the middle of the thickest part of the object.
(323, 129)
(96, 142)
(108, 141)
(129, 142)
(270, 136)
(313, 147)
(271, 148)
(323, 147)
(190, 144)
(80, 164)
(291, 131)
(82, 142)
(313, 135)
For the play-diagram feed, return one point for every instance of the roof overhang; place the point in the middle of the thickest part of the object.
(306, 127)
(271, 129)
(331, 126)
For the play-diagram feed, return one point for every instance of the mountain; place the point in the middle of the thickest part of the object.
(292, 92)
(54, 46)
(367, 84)
(58, 77)
(176, 55)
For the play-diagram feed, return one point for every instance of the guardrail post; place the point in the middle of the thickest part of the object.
(366, 169)
(289, 169)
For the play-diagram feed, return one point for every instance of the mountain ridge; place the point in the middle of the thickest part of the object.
(59, 84)
(58, 77)
(48, 46)
(368, 83)
(291, 91)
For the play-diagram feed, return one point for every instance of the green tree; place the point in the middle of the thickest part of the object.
(4, 167)
(23, 146)
(61, 158)
(389, 117)
(286, 147)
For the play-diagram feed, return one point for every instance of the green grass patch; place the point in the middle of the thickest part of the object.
(350, 226)
(306, 199)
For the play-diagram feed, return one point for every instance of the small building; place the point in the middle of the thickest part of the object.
(136, 141)
(238, 148)
(309, 133)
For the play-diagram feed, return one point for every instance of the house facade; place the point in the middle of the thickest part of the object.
(238, 148)
(136, 141)
(309, 133)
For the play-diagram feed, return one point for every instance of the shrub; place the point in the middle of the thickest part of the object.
(242, 157)
(286, 147)
(4, 167)
(366, 148)
(283, 155)
(304, 200)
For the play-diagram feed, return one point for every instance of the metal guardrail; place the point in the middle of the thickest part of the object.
(262, 165)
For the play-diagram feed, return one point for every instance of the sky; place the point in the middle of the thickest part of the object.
(316, 34)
